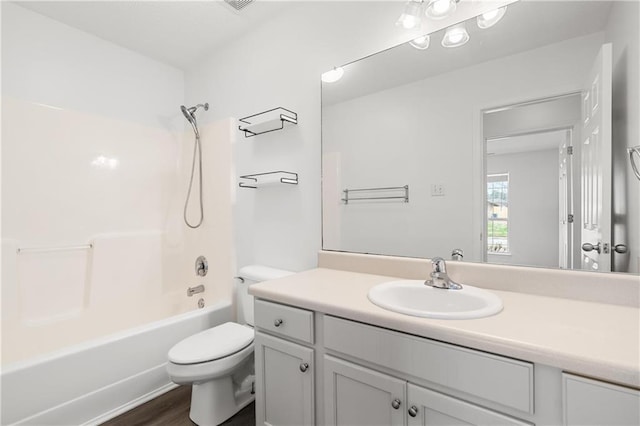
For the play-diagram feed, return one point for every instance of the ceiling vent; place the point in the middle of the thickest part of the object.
(238, 4)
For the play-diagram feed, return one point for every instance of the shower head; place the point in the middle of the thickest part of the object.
(189, 113)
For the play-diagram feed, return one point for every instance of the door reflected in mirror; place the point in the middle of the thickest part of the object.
(512, 147)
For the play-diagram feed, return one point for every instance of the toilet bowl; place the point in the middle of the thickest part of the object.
(218, 362)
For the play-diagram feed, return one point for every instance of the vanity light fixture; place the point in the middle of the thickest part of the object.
(421, 43)
(410, 17)
(455, 36)
(440, 9)
(333, 75)
(489, 19)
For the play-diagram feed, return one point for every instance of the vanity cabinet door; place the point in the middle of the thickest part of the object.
(592, 402)
(284, 382)
(428, 408)
(356, 395)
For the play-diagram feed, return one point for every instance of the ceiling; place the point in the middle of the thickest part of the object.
(174, 32)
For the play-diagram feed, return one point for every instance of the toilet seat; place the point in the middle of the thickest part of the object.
(186, 374)
(212, 344)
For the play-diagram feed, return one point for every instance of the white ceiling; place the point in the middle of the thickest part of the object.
(175, 32)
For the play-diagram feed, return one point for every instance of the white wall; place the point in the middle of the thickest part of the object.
(533, 207)
(432, 127)
(623, 31)
(95, 150)
(279, 64)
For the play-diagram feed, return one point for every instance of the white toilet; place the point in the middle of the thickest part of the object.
(218, 362)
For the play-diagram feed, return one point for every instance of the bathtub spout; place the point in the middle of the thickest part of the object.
(195, 290)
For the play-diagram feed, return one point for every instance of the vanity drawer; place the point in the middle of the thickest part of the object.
(494, 378)
(283, 320)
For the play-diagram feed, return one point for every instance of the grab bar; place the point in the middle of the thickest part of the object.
(634, 166)
(48, 249)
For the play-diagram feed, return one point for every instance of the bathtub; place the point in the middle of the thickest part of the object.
(94, 381)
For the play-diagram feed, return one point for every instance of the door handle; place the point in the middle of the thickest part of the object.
(604, 248)
(590, 247)
(620, 248)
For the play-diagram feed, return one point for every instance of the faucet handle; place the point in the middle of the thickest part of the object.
(457, 254)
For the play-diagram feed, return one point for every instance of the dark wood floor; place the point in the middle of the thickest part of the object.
(172, 409)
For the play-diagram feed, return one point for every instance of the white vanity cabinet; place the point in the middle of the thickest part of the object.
(315, 368)
(284, 368)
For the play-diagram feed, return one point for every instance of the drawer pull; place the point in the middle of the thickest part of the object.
(304, 367)
(395, 403)
(413, 411)
(277, 322)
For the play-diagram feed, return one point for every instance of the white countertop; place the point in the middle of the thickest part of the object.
(591, 339)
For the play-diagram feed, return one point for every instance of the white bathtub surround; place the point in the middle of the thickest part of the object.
(96, 380)
(125, 266)
(143, 274)
(600, 340)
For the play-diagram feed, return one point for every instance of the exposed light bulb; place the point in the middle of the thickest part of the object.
(455, 36)
(410, 17)
(333, 75)
(489, 19)
(421, 43)
(440, 9)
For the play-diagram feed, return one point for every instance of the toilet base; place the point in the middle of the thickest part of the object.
(215, 401)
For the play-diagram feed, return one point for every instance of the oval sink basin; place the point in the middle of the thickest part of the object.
(413, 297)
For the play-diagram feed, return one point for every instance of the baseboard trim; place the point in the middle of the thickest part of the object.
(131, 405)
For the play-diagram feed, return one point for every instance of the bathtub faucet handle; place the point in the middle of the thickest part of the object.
(195, 290)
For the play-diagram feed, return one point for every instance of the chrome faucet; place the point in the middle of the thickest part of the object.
(195, 290)
(439, 277)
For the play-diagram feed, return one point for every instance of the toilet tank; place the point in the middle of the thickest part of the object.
(250, 275)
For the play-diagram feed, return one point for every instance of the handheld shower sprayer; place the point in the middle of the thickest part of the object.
(190, 115)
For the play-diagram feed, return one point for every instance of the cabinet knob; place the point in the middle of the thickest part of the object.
(413, 411)
(304, 367)
(395, 403)
(277, 322)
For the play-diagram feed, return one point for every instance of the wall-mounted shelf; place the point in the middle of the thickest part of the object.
(268, 179)
(267, 121)
(370, 194)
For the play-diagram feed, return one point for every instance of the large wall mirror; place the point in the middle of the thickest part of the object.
(512, 148)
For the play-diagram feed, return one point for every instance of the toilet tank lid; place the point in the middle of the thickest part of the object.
(262, 273)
